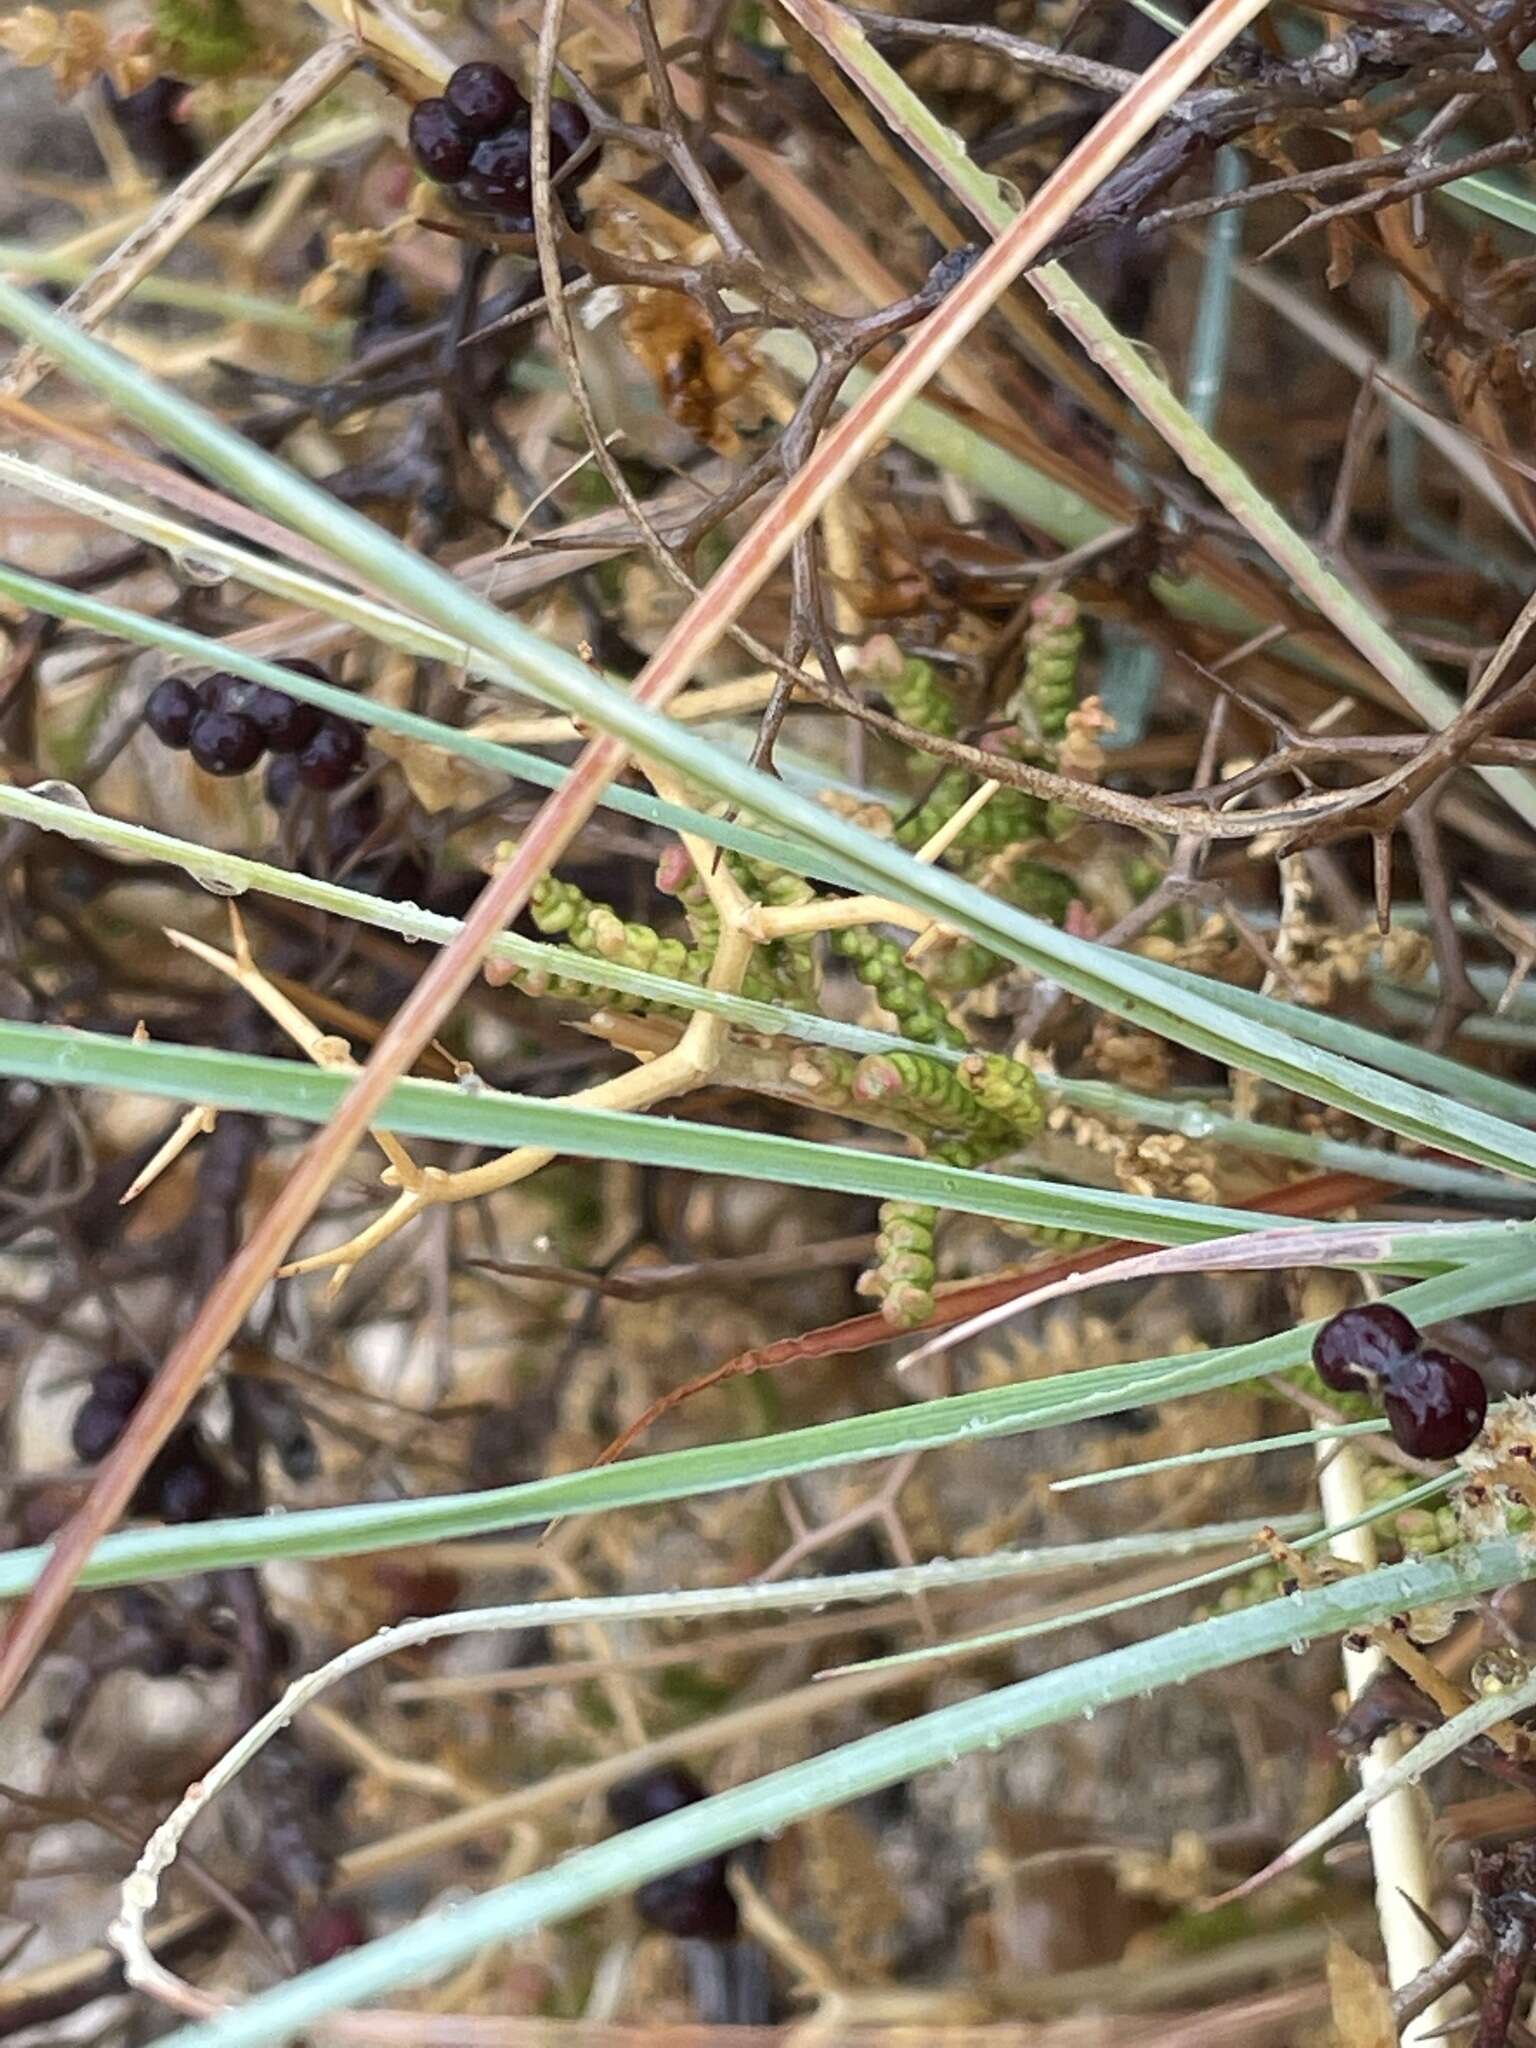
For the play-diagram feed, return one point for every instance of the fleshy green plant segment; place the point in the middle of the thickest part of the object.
(963, 1115)
(204, 38)
(988, 1105)
(1047, 692)
(995, 847)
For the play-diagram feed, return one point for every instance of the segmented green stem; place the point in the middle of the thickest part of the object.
(901, 1279)
(1047, 691)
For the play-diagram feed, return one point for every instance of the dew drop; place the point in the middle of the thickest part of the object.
(64, 793)
(1498, 1670)
(198, 569)
(216, 885)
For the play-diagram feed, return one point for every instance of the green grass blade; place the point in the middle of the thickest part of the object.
(438, 1109)
(1119, 984)
(136, 1556)
(765, 1807)
(514, 762)
(234, 873)
(1433, 1071)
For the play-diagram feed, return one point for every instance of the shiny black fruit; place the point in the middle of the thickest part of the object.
(483, 99)
(664, 1790)
(169, 713)
(1361, 1347)
(333, 755)
(225, 742)
(440, 146)
(285, 723)
(116, 1390)
(694, 1903)
(1435, 1405)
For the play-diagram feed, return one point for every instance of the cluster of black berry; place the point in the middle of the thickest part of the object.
(695, 1901)
(183, 1484)
(476, 139)
(227, 724)
(1433, 1402)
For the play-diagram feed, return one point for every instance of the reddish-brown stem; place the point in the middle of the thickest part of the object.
(1316, 1197)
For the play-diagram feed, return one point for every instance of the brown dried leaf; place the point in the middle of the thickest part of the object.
(73, 45)
(696, 378)
(1362, 2008)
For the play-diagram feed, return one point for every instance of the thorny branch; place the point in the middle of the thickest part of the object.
(1389, 60)
(1315, 89)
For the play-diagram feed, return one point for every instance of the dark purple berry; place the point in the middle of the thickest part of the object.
(509, 219)
(225, 742)
(499, 176)
(1435, 1405)
(169, 713)
(183, 1484)
(332, 756)
(694, 1903)
(285, 723)
(667, 1789)
(440, 146)
(568, 130)
(96, 1429)
(1355, 1350)
(116, 1390)
(223, 692)
(483, 99)
(281, 782)
(121, 1382)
